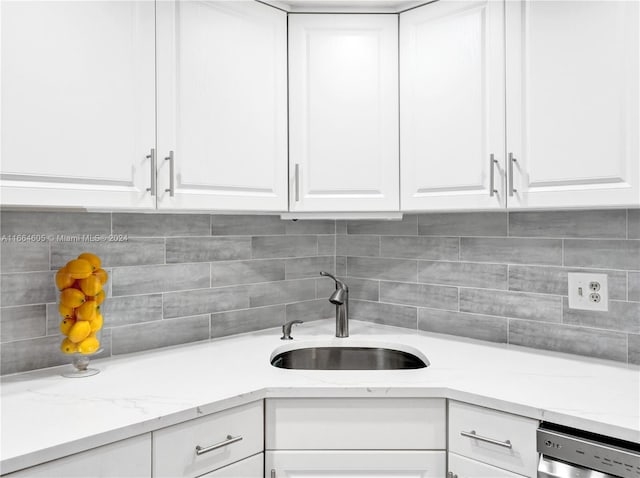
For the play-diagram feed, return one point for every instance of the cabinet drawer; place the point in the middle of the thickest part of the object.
(355, 424)
(520, 457)
(174, 448)
(248, 468)
(462, 467)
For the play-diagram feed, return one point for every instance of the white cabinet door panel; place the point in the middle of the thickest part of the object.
(356, 464)
(78, 103)
(343, 112)
(222, 105)
(465, 468)
(452, 105)
(130, 458)
(251, 467)
(572, 102)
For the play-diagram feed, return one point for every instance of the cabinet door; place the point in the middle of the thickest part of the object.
(248, 468)
(129, 458)
(343, 112)
(222, 105)
(572, 102)
(462, 467)
(452, 106)
(356, 464)
(78, 103)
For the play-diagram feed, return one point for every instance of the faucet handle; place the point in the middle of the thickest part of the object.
(286, 329)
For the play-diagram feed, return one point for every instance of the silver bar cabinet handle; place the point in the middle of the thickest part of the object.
(171, 189)
(473, 434)
(511, 161)
(201, 451)
(297, 181)
(492, 184)
(273, 473)
(152, 157)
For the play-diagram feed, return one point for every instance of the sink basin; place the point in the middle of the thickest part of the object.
(348, 358)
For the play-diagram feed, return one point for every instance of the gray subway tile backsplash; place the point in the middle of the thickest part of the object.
(204, 301)
(159, 333)
(132, 252)
(227, 274)
(382, 269)
(50, 222)
(621, 316)
(467, 274)
(247, 272)
(161, 225)
(27, 288)
(268, 247)
(474, 326)
(164, 278)
(433, 248)
(587, 224)
(565, 338)
(543, 308)
(247, 320)
(633, 226)
(606, 254)
(634, 286)
(22, 322)
(511, 250)
(463, 224)
(420, 295)
(207, 249)
(24, 256)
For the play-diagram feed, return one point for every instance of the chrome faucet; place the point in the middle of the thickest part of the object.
(341, 300)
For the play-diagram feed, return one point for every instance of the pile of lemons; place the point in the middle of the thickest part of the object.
(81, 283)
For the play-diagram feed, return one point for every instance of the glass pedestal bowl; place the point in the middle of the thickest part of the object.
(80, 364)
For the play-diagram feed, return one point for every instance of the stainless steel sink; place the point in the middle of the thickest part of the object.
(347, 358)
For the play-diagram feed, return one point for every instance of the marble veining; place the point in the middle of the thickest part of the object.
(45, 416)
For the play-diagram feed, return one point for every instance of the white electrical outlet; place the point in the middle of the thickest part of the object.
(588, 291)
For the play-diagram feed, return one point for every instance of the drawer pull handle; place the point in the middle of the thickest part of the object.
(228, 441)
(473, 434)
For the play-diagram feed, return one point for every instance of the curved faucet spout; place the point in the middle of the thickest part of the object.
(340, 298)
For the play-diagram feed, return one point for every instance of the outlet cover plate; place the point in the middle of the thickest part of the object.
(588, 291)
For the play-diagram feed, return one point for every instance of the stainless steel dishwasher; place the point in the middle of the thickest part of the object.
(569, 453)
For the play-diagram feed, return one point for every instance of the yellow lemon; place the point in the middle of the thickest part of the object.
(87, 311)
(72, 298)
(96, 322)
(79, 331)
(99, 297)
(91, 285)
(102, 275)
(63, 279)
(66, 312)
(79, 268)
(68, 347)
(65, 325)
(89, 345)
(92, 259)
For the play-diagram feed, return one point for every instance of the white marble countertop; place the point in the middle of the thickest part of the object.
(45, 416)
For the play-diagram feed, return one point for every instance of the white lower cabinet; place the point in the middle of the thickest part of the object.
(351, 463)
(355, 437)
(130, 458)
(194, 448)
(461, 467)
(251, 467)
(498, 439)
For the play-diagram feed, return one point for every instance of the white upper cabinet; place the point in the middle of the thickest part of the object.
(572, 102)
(222, 105)
(343, 112)
(452, 106)
(78, 106)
